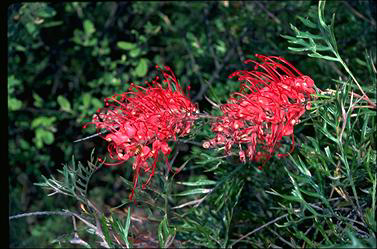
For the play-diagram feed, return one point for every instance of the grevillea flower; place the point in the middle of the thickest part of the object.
(141, 121)
(272, 98)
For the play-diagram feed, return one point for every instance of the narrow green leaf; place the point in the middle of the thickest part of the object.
(288, 37)
(160, 232)
(126, 228)
(307, 22)
(325, 57)
(308, 35)
(52, 24)
(194, 191)
(105, 231)
(200, 182)
(299, 49)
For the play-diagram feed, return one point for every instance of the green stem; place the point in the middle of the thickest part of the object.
(350, 73)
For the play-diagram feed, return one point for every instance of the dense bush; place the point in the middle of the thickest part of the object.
(65, 58)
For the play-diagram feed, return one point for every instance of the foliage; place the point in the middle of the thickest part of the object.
(64, 58)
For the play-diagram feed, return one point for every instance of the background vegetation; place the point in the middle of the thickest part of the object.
(64, 58)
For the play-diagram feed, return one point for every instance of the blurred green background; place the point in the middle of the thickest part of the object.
(64, 58)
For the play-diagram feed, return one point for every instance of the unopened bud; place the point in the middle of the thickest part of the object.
(206, 145)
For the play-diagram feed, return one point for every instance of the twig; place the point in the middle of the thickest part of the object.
(89, 137)
(209, 37)
(258, 228)
(358, 14)
(272, 16)
(364, 97)
(189, 203)
(40, 213)
(215, 74)
(281, 238)
(212, 102)
(76, 239)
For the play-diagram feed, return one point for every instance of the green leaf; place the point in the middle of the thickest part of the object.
(64, 103)
(24, 144)
(52, 24)
(135, 52)
(86, 99)
(14, 104)
(12, 82)
(89, 27)
(31, 28)
(299, 49)
(42, 121)
(48, 137)
(46, 12)
(127, 227)
(163, 231)
(198, 183)
(325, 57)
(194, 191)
(38, 101)
(96, 103)
(141, 68)
(43, 136)
(105, 230)
(307, 22)
(126, 45)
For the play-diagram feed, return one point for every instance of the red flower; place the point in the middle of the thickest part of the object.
(269, 104)
(142, 121)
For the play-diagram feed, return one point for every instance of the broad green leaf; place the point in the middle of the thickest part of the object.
(126, 45)
(46, 12)
(24, 144)
(14, 104)
(86, 99)
(20, 48)
(96, 103)
(64, 103)
(190, 36)
(42, 121)
(12, 82)
(135, 52)
(89, 27)
(43, 136)
(48, 137)
(38, 101)
(141, 68)
(31, 28)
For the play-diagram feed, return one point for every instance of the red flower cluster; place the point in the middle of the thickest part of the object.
(269, 104)
(142, 121)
